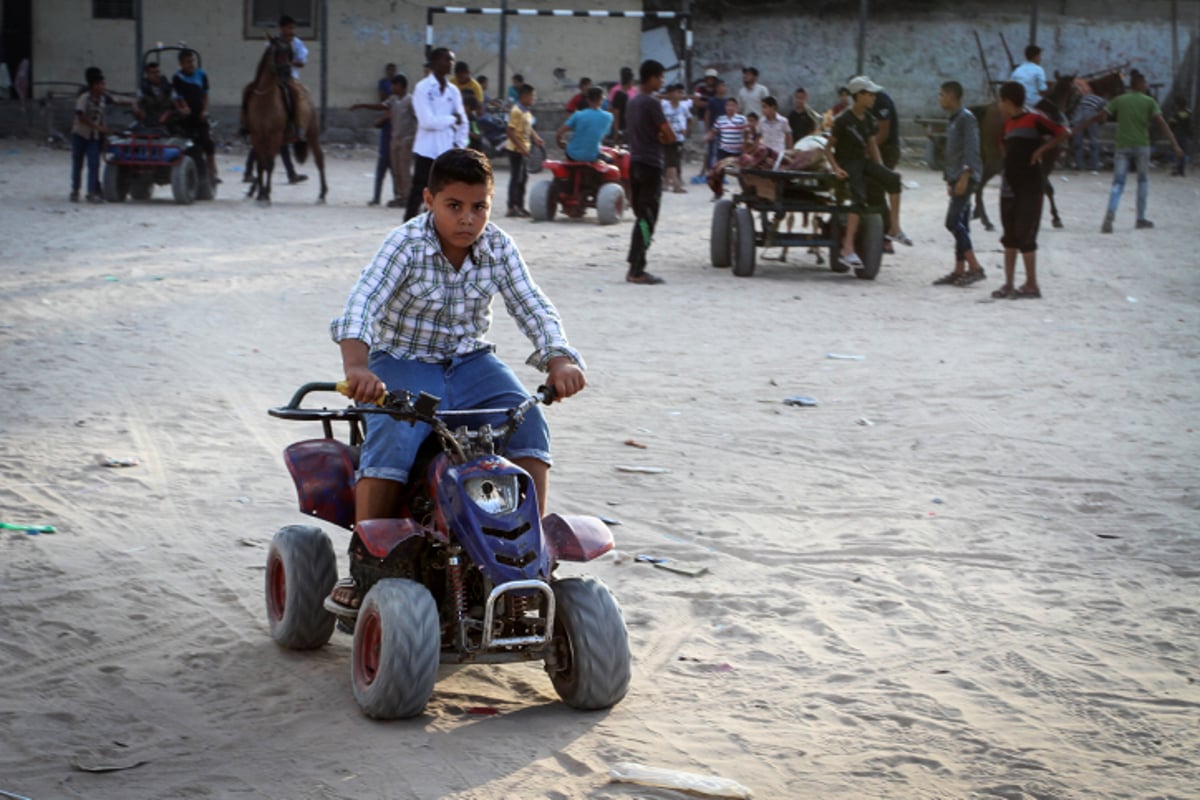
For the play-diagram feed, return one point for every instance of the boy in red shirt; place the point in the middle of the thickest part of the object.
(1028, 135)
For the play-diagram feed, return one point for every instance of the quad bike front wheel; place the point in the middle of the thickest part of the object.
(301, 572)
(591, 645)
(397, 642)
(114, 185)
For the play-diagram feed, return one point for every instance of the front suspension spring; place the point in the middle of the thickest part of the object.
(458, 590)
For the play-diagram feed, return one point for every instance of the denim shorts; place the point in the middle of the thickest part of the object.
(475, 380)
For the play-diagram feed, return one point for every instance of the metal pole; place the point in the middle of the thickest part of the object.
(137, 43)
(1033, 20)
(1174, 38)
(687, 45)
(324, 22)
(862, 35)
(502, 82)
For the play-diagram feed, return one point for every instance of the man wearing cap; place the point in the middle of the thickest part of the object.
(853, 153)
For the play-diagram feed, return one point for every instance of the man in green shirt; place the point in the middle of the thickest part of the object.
(1134, 110)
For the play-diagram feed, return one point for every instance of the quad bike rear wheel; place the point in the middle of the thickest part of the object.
(610, 203)
(397, 642)
(591, 645)
(543, 201)
(185, 181)
(301, 572)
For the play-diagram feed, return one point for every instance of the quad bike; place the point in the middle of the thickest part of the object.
(465, 574)
(141, 158)
(580, 185)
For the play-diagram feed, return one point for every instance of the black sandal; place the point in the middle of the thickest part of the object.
(1033, 293)
(949, 279)
(1004, 292)
(356, 598)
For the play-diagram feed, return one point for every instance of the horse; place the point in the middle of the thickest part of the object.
(1059, 106)
(991, 135)
(266, 117)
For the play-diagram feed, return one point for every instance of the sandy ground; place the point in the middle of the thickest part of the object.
(970, 571)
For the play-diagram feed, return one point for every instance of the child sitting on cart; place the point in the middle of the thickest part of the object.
(417, 319)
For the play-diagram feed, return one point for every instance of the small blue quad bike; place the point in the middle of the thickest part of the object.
(464, 575)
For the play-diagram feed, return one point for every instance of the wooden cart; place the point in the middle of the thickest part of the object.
(772, 195)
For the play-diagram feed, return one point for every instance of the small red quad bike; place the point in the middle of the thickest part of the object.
(580, 185)
(464, 575)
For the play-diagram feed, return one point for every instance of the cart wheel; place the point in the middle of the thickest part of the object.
(741, 242)
(610, 203)
(722, 219)
(543, 201)
(112, 185)
(184, 181)
(834, 234)
(869, 242)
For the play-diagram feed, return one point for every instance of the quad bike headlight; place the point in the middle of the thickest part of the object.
(497, 495)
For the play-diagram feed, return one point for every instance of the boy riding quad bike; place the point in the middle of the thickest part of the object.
(452, 556)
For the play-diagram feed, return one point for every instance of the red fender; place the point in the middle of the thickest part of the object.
(323, 471)
(576, 538)
(382, 536)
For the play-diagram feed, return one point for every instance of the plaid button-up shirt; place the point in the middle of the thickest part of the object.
(410, 302)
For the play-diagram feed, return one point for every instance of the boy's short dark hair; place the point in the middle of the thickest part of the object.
(954, 88)
(401, 79)
(626, 74)
(585, 82)
(150, 64)
(481, 80)
(1013, 92)
(185, 52)
(595, 93)
(461, 66)
(518, 77)
(752, 70)
(525, 89)
(286, 20)
(799, 89)
(752, 115)
(1032, 52)
(770, 101)
(651, 69)
(460, 165)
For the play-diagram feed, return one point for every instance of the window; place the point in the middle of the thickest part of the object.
(112, 9)
(263, 16)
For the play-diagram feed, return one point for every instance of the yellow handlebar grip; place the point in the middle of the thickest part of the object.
(344, 388)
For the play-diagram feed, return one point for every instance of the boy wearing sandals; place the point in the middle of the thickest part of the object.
(1028, 135)
(963, 165)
